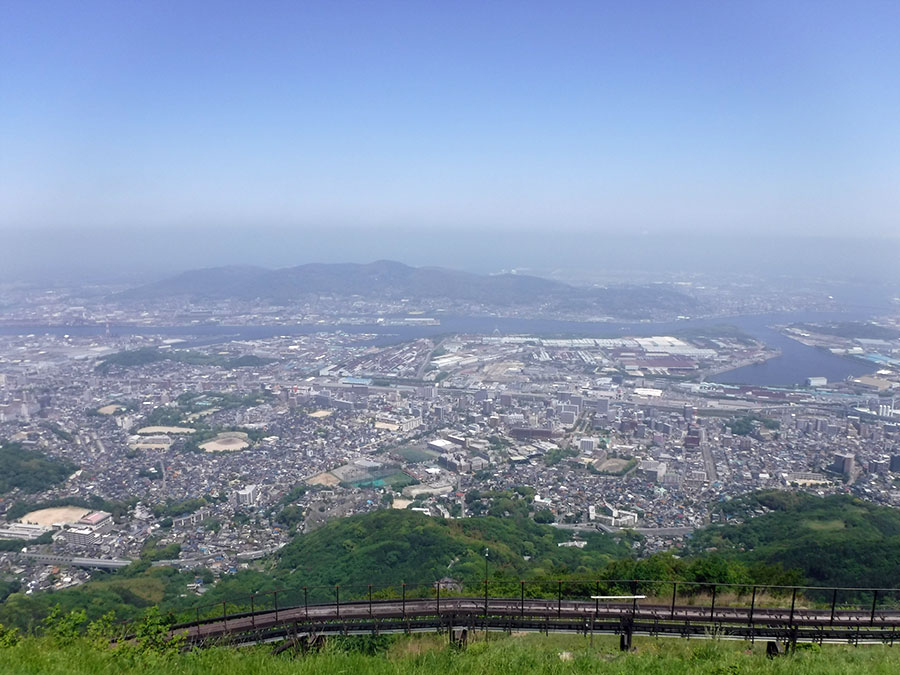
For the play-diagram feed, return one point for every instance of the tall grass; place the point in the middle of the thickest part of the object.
(427, 655)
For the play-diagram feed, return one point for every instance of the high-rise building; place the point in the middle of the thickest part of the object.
(844, 463)
(880, 465)
(248, 495)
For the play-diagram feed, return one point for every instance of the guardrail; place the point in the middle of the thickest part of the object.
(675, 608)
(688, 593)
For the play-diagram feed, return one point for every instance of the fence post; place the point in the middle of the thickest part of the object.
(224, 616)
(306, 602)
(198, 619)
(370, 599)
(793, 629)
(712, 607)
(833, 603)
(439, 598)
(633, 602)
(559, 597)
(521, 597)
(404, 598)
(337, 599)
(674, 594)
(275, 594)
(597, 599)
(874, 602)
(752, 605)
(485, 598)
(793, 600)
(252, 612)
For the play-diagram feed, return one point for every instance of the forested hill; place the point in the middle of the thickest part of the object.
(30, 470)
(384, 548)
(837, 540)
(386, 279)
(390, 546)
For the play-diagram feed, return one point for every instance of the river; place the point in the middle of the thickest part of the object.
(796, 363)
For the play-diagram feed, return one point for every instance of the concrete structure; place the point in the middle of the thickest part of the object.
(194, 518)
(25, 531)
(247, 496)
(844, 463)
(587, 444)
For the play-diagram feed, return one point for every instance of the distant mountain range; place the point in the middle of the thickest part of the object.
(390, 280)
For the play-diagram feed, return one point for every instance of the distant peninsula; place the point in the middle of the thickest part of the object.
(390, 281)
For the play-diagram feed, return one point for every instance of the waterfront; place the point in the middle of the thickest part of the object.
(796, 362)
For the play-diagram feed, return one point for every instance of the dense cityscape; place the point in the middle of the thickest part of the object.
(439, 338)
(217, 449)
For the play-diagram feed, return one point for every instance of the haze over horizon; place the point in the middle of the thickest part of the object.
(130, 257)
(154, 123)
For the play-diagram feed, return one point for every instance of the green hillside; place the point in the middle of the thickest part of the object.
(836, 540)
(127, 594)
(391, 546)
(29, 470)
(385, 548)
(833, 541)
(147, 355)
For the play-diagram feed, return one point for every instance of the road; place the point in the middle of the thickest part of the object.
(646, 531)
(420, 372)
(710, 463)
(76, 561)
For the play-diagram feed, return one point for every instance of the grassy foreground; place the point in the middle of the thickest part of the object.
(427, 655)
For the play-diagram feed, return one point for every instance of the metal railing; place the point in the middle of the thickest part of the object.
(861, 605)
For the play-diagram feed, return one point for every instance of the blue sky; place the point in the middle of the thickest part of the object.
(737, 117)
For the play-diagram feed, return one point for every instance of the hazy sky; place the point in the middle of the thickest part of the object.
(774, 117)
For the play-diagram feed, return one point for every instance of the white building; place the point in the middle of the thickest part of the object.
(248, 495)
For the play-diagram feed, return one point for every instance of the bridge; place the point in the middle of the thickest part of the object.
(692, 611)
(75, 561)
